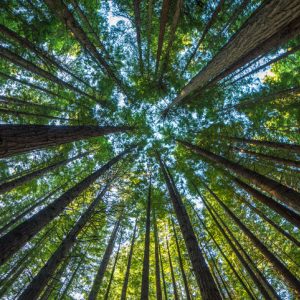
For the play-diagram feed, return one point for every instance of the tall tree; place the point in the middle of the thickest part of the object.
(157, 258)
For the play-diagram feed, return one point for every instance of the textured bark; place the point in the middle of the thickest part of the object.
(29, 66)
(162, 29)
(163, 273)
(145, 274)
(112, 272)
(40, 52)
(268, 220)
(15, 139)
(270, 26)
(275, 145)
(126, 279)
(287, 195)
(137, 21)
(157, 259)
(40, 281)
(104, 263)
(172, 37)
(282, 210)
(175, 292)
(207, 27)
(259, 280)
(63, 13)
(203, 276)
(8, 186)
(186, 287)
(282, 270)
(19, 236)
(279, 160)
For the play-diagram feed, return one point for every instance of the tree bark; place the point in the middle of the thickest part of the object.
(8, 186)
(126, 279)
(162, 273)
(40, 281)
(149, 32)
(283, 211)
(145, 274)
(282, 270)
(203, 276)
(175, 292)
(137, 19)
(104, 263)
(270, 26)
(15, 139)
(157, 259)
(287, 195)
(186, 287)
(20, 235)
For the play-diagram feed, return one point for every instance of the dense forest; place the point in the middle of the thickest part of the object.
(150, 149)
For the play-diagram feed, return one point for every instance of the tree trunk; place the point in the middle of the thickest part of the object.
(259, 280)
(287, 195)
(275, 145)
(8, 186)
(40, 281)
(104, 263)
(175, 292)
(29, 66)
(145, 276)
(137, 19)
(162, 273)
(149, 31)
(279, 160)
(157, 259)
(16, 139)
(112, 271)
(63, 13)
(162, 28)
(207, 27)
(283, 211)
(126, 279)
(270, 26)
(40, 52)
(282, 270)
(203, 276)
(20, 235)
(186, 287)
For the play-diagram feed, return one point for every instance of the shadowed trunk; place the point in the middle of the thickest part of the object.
(157, 259)
(104, 263)
(20, 235)
(287, 195)
(137, 21)
(145, 275)
(203, 276)
(16, 139)
(175, 292)
(162, 272)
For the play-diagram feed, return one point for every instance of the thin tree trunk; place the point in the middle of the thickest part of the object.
(8, 186)
(29, 66)
(287, 195)
(259, 280)
(282, 270)
(15, 139)
(270, 26)
(149, 31)
(162, 273)
(157, 259)
(283, 211)
(63, 13)
(40, 281)
(104, 263)
(186, 287)
(40, 52)
(20, 235)
(137, 19)
(175, 292)
(162, 27)
(204, 278)
(269, 144)
(112, 271)
(207, 27)
(126, 279)
(282, 161)
(145, 274)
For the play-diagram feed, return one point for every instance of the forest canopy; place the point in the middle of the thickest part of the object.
(150, 149)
